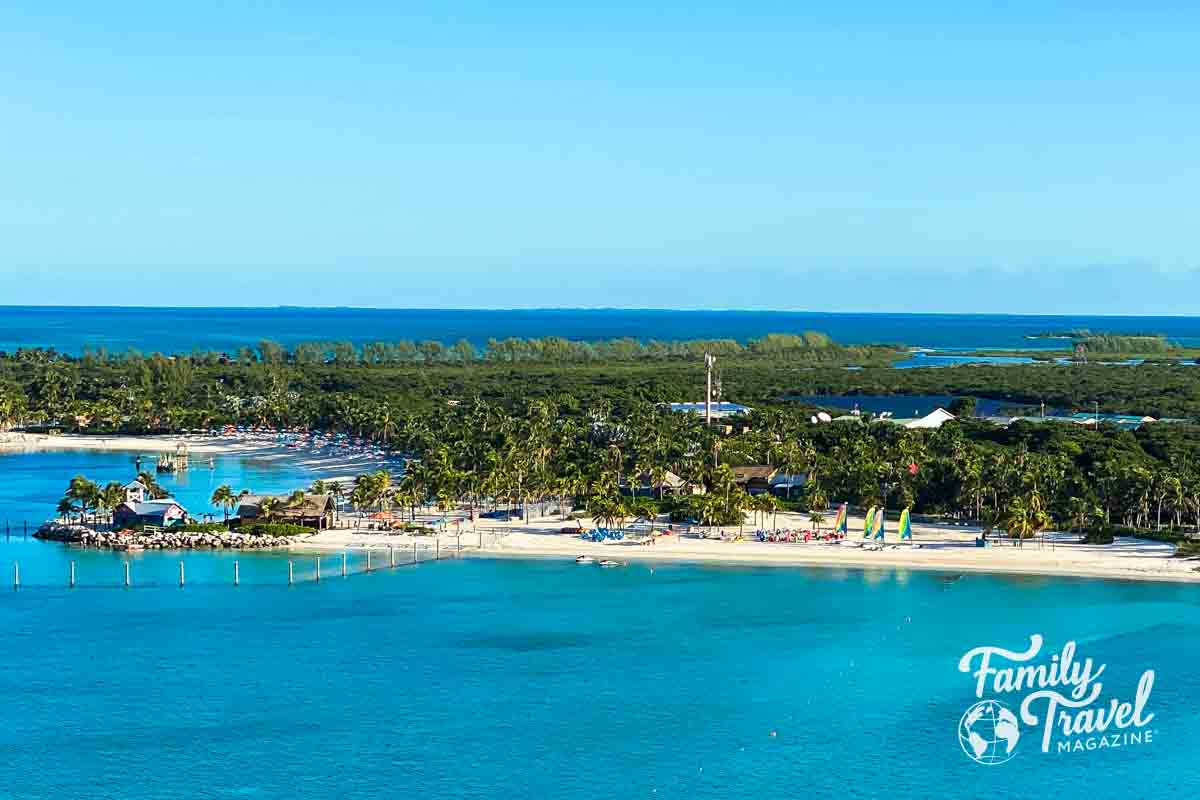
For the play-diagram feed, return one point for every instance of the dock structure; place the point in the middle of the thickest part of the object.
(174, 462)
(176, 573)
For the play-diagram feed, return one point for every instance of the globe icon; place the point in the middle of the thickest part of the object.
(988, 733)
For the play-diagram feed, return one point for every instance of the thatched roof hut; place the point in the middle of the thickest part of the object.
(315, 511)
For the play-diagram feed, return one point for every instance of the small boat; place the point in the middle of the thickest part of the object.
(610, 563)
(585, 560)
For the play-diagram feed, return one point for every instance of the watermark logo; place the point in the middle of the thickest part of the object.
(988, 732)
(1060, 695)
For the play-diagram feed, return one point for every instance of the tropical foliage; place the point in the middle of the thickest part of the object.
(529, 421)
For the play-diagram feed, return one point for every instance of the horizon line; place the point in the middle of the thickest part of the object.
(511, 309)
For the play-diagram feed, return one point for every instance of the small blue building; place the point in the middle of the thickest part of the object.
(164, 513)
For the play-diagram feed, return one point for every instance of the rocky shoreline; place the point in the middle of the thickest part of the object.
(162, 540)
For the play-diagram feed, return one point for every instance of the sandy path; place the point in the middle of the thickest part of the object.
(32, 442)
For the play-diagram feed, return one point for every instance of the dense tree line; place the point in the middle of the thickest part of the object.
(809, 346)
(576, 432)
(157, 393)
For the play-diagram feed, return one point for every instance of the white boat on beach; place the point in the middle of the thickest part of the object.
(610, 563)
(585, 560)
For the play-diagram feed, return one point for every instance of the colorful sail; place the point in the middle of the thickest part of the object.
(869, 523)
(905, 526)
(840, 525)
(879, 526)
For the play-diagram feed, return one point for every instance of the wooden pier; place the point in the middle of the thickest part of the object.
(290, 572)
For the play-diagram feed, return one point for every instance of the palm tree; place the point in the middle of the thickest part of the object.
(65, 508)
(409, 496)
(1026, 518)
(268, 507)
(148, 480)
(739, 503)
(224, 498)
(642, 509)
(335, 489)
(111, 496)
(770, 505)
(85, 493)
(381, 488)
(817, 519)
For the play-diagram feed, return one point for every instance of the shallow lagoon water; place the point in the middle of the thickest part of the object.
(911, 405)
(31, 483)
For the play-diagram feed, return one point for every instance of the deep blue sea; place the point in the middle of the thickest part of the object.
(181, 330)
(542, 679)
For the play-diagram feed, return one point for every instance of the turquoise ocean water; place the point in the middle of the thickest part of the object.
(503, 678)
(481, 678)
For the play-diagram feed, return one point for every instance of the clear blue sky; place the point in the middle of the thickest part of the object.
(1024, 157)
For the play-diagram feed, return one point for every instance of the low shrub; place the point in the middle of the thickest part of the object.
(274, 529)
(1098, 536)
(1187, 549)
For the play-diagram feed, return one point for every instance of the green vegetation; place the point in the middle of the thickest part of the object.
(1108, 344)
(274, 529)
(1104, 342)
(1187, 550)
(86, 500)
(226, 499)
(1157, 390)
(553, 420)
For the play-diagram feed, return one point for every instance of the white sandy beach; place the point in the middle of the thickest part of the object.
(942, 548)
(33, 442)
(946, 548)
(339, 466)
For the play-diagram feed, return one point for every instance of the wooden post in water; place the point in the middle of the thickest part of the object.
(16, 574)
(71, 579)
(127, 575)
(437, 549)
(343, 563)
(368, 560)
(291, 575)
(415, 559)
(391, 556)
(182, 581)
(236, 577)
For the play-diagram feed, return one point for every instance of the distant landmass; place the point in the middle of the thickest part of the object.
(183, 330)
(1108, 342)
